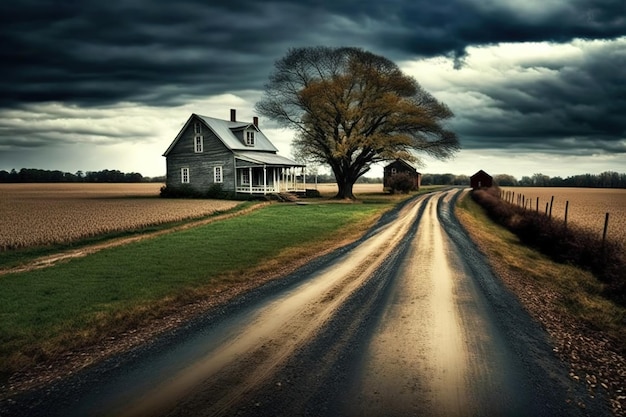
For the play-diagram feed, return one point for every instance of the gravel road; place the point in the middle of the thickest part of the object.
(407, 321)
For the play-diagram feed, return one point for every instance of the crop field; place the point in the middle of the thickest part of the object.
(587, 207)
(40, 214)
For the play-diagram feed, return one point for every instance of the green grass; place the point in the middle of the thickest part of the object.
(43, 312)
(13, 258)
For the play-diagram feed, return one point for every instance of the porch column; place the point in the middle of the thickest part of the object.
(264, 180)
(289, 180)
(282, 172)
(274, 181)
(250, 178)
(304, 177)
(236, 173)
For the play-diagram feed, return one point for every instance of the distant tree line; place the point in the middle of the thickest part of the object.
(25, 175)
(445, 179)
(607, 179)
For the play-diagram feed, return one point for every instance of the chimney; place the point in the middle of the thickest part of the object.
(233, 115)
(255, 120)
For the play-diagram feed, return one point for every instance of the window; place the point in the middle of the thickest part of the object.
(198, 143)
(184, 175)
(197, 128)
(217, 174)
(245, 177)
(249, 138)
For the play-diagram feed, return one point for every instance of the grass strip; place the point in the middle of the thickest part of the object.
(578, 292)
(44, 312)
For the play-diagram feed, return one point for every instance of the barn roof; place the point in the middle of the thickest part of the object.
(481, 173)
(402, 162)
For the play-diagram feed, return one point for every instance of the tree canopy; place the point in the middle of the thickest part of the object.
(351, 108)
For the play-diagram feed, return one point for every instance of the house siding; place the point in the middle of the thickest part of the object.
(200, 164)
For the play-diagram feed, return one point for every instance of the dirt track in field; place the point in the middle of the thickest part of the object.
(407, 321)
(50, 260)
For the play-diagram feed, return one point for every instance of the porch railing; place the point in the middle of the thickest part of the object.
(259, 189)
(256, 189)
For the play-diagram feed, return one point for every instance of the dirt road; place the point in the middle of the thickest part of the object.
(407, 321)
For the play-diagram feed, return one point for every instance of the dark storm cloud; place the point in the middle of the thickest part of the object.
(572, 107)
(92, 52)
(103, 52)
(88, 55)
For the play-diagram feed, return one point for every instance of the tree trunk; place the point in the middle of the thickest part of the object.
(345, 187)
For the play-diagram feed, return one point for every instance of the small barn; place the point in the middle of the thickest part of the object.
(481, 180)
(401, 166)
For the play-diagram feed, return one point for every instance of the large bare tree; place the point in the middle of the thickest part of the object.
(351, 109)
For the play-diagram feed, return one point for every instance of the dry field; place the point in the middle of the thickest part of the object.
(39, 214)
(587, 206)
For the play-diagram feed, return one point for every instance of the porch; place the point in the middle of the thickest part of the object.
(270, 179)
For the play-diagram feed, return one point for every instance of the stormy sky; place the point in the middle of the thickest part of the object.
(537, 86)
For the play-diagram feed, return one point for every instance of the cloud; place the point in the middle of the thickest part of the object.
(125, 136)
(534, 76)
(555, 98)
(155, 52)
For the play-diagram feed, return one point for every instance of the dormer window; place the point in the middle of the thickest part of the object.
(249, 137)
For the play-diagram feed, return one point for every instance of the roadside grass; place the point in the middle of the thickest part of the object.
(48, 311)
(579, 292)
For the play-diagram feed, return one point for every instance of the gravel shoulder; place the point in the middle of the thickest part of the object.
(592, 357)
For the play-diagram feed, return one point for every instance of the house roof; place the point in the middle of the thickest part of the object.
(224, 130)
(265, 158)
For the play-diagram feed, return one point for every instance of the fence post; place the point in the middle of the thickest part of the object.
(537, 204)
(551, 201)
(606, 225)
(566, 207)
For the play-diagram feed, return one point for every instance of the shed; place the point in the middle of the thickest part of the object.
(401, 166)
(481, 180)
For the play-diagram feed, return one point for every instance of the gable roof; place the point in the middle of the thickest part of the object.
(401, 162)
(224, 130)
(481, 173)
